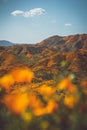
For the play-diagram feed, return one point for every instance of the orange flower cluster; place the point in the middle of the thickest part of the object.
(71, 97)
(66, 84)
(22, 75)
(17, 75)
(46, 90)
(70, 101)
(6, 81)
(39, 109)
(18, 103)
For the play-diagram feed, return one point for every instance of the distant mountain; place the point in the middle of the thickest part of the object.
(5, 43)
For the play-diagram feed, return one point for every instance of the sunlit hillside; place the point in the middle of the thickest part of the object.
(44, 86)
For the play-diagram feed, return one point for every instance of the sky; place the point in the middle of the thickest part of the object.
(31, 21)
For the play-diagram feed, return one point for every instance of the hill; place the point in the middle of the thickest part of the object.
(50, 58)
(5, 43)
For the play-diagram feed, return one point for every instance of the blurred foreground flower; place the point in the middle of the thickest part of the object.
(70, 101)
(22, 75)
(50, 108)
(71, 97)
(39, 109)
(46, 90)
(16, 103)
(7, 81)
(17, 75)
(66, 84)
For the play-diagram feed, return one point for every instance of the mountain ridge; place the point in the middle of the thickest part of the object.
(58, 37)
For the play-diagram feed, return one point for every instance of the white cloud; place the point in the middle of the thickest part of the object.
(30, 13)
(68, 24)
(17, 12)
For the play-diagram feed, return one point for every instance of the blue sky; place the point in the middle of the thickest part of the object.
(31, 21)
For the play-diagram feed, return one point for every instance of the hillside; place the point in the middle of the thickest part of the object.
(45, 58)
(44, 86)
